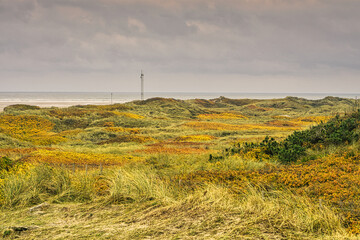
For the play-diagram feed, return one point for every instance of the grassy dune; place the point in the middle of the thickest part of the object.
(173, 169)
(136, 204)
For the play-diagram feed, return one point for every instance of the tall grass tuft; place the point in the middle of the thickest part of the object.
(284, 209)
(45, 183)
(138, 185)
(257, 211)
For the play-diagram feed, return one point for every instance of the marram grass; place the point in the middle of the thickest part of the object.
(143, 170)
(162, 210)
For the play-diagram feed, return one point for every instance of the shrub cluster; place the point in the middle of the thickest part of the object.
(333, 179)
(339, 130)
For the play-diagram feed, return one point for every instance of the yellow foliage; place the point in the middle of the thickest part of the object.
(225, 126)
(109, 124)
(333, 179)
(62, 157)
(46, 139)
(127, 114)
(194, 138)
(171, 150)
(16, 169)
(20, 169)
(22, 151)
(285, 121)
(70, 132)
(256, 154)
(282, 123)
(129, 138)
(20, 126)
(121, 129)
(34, 129)
(312, 119)
(226, 115)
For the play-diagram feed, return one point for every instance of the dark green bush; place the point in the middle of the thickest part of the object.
(339, 130)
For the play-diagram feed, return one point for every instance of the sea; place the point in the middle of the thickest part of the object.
(65, 99)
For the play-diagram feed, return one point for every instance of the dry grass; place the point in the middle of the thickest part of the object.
(121, 129)
(225, 115)
(194, 138)
(171, 150)
(128, 138)
(141, 197)
(211, 213)
(64, 157)
(240, 127)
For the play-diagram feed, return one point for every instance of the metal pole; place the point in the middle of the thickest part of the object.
(142, 85)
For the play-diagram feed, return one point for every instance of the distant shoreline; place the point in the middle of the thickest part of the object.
(71, 99)
(48, 104)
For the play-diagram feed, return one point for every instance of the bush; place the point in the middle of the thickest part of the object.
(20, 107)
(5, 163)
(339, 130)
(10, 142)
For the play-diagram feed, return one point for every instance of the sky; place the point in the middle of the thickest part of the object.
(270, 46)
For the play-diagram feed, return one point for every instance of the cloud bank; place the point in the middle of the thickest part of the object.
(182, 45)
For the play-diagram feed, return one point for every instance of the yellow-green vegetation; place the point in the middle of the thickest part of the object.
(194, 138)
(225, 115)
(173, 169)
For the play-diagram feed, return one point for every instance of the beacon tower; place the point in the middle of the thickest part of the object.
(142, 85)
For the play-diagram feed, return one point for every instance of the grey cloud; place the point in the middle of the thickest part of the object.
(268, 38)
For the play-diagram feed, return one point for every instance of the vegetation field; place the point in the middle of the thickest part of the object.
(172, 169)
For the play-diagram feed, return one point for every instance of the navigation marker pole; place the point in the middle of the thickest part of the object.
(142, 85)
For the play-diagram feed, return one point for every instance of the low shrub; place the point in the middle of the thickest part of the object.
(339, 130)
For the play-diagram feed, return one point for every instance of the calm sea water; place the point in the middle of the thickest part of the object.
(63, 99)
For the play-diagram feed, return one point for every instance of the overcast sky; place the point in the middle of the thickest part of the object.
(182, 45)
